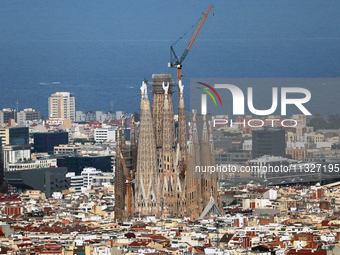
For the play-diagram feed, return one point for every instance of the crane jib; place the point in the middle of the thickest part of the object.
(175, 60)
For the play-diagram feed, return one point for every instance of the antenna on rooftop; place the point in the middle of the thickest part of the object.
(111, 104)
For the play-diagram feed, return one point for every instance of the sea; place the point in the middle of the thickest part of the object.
(101, 51)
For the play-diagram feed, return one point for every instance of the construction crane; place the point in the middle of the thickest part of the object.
(176, 61)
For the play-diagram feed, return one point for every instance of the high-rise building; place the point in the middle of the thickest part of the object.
(61, 105)
(271, 142)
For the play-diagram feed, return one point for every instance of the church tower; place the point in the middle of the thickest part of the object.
(205, 164)
(119, 182)
(166, 181)
(126, 158)
(158, 97)
(146, 193)
(213, 177)
(167, 153)
(182, 129)
(197, 154)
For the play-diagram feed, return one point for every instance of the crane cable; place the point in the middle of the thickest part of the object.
(193, 26)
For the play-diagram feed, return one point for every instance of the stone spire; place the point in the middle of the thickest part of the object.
(133, 131)
(164, 128)
(167, 136)
(182, 130)
(146, 172)
(212, 162)
(191, 181)
(158, 105)
(205, 163)
(181, 154)
(133, 143)
(118, 137)
(119, 183)
(123, 131)
(167, 155)
(193, 176)
(197, 161)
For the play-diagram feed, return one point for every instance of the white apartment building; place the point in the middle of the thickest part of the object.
(84, 181)
(15, 154)
(88, 173)
(104, 134)
(77, 181)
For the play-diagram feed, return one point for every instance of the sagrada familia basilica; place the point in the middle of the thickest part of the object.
(156, 172)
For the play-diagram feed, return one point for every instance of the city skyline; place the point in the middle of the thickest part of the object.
(105, 150)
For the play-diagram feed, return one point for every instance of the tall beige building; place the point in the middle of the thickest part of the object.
(61, 105)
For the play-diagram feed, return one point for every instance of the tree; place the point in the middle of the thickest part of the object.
(333, 122)
(317, 122)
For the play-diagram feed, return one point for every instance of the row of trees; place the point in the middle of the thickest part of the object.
(318, 122)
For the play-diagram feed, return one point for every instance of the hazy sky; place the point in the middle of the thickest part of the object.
(131, 20)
